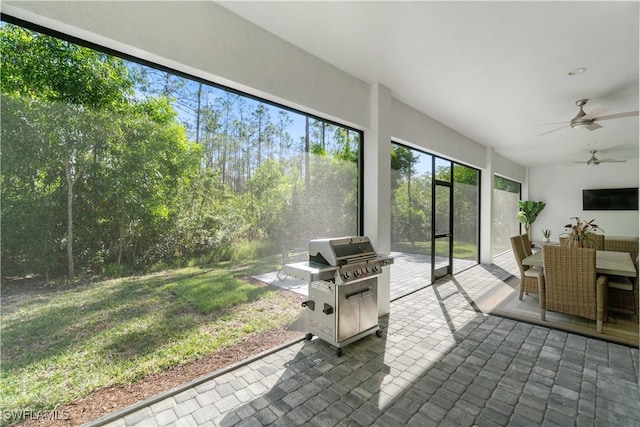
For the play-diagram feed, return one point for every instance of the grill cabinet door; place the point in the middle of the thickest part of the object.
(357, 307)
(369, 305)
(348, 310)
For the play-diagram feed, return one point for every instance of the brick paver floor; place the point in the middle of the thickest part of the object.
(439, 362)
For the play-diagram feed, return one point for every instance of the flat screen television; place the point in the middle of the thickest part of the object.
(610, 199)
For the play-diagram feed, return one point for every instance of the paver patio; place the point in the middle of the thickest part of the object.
(439, 362)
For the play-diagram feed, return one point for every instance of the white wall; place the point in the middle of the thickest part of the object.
(560, 187)
(507, 169)
(413, 127)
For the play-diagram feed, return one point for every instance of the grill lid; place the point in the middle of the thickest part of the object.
(340, 250)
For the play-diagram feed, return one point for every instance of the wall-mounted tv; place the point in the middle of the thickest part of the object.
(610, 199)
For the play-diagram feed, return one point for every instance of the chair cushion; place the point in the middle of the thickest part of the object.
(621, 283)
(533, 272)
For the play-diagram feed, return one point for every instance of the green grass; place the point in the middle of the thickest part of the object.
(62, 345)
(461, 250)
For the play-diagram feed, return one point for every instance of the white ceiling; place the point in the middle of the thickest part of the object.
(493, 71)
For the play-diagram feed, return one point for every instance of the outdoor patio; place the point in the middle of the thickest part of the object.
(439, 362)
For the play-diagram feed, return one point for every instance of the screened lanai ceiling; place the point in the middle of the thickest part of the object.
(494, 71)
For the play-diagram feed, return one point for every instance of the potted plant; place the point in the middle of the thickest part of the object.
(581, 234)
(546, 233)
(528, 212)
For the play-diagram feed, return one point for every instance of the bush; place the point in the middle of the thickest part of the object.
(245, 250)
(115, 271)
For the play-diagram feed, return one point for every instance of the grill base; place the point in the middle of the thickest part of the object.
(342, 313)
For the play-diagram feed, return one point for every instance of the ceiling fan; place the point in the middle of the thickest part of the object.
(588, 121)
(594, 161)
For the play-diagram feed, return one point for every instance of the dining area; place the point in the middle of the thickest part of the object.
(587, 278)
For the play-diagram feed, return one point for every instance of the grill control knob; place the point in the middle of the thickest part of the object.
(356, 273)
(346, 275)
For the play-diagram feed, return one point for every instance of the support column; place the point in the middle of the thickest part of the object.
(486, 211)
(377, 185)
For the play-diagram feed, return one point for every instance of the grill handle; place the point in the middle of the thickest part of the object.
(365, 293)
(353, 297)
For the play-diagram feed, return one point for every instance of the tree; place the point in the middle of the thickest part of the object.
(225, 106)
(79, 132)
(260, 122)
(466, 198)
(148, 161)
(32, 215)
(96, 149)
(76, 140)
(347, 147)
(284, 139)
(77, 86)
(403, 161)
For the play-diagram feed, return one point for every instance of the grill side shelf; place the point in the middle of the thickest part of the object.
(310, 271)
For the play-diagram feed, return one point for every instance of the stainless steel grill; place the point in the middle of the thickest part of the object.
(342, 274)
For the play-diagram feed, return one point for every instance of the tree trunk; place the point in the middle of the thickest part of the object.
(198, 112)
(121, 242)
(409, 209)
(70, 182)
(307, 171)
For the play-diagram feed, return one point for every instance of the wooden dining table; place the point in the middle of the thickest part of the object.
(607, 262)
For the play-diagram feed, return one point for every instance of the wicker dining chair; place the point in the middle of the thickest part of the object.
(571, 285)
(599, 239)
(623, 245)
(526, 244)
(529, 276)
(623, 294)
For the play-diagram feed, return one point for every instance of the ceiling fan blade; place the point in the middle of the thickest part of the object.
(553, 130)
(553, 123)
(617, 116)
(595, 113)
(612, 161)
(593, 126)
(576, 163)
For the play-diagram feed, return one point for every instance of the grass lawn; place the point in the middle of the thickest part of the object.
(461, 250)
(61, 345)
